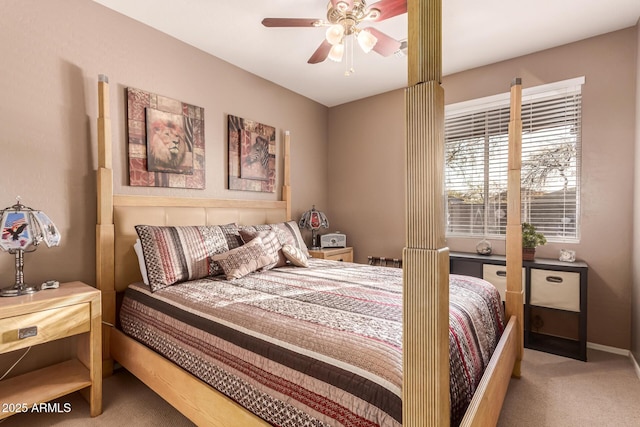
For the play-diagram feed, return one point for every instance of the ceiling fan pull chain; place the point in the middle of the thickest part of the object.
(348, 40)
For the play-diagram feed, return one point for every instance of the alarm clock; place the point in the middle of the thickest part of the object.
(333, 240)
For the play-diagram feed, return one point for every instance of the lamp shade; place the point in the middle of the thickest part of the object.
(313, 220)
(23, 227)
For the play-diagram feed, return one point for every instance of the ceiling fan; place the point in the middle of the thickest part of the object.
(343, 19)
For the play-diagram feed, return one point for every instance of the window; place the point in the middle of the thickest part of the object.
(476, 143)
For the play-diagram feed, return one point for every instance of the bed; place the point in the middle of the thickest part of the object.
(425, 334)
(320, 345)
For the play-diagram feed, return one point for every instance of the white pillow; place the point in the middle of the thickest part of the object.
(143, 268)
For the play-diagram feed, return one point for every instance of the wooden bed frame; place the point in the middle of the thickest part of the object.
(426, 259)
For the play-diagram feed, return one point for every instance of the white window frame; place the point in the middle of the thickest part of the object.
(494, 105)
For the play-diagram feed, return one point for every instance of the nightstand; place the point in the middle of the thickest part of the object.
(335, 254)
(28, 320)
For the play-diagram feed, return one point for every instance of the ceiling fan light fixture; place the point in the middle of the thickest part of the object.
(334, 34)
(336, 53)
(366, 40)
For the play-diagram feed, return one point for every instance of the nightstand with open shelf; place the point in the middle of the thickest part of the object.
(28, 320)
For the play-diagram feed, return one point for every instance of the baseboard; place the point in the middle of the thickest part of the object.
(635, 364)
(620, 351)
(608, 349)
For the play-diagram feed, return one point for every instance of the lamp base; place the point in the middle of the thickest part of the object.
(17, 290)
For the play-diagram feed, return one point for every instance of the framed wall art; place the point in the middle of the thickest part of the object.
(166, 141)
(252, 155)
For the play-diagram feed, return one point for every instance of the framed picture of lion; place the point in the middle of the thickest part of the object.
(166, 141)
(168, 149)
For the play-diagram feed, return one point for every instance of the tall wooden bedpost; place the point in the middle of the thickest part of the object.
(286, 185)
(104, 227)
(426, 258)
(514, 294)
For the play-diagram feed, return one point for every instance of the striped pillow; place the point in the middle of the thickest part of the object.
(288, 233)
(230, 231)
(178, 254)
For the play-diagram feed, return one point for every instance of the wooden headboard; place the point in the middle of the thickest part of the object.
(129, 211)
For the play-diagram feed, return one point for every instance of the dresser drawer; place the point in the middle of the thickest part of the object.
(497, 276)
(42, 326)
(346, 256)
(555, 289)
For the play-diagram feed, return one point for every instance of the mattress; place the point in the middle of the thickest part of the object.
(317, 346)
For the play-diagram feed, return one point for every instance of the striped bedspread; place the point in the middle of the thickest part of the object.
(318, 346)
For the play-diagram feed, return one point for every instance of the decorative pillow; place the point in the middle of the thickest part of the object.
(231, 234)
(178, 254)
(295, 255)
(246, 259)
(270, 242)
(137, 247)
(288, 233)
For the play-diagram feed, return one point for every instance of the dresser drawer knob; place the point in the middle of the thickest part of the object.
(554, 279)
(501, 273)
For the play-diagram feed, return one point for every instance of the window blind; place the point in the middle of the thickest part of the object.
(476, 150)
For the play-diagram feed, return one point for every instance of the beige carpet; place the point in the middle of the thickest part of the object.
(554, 391)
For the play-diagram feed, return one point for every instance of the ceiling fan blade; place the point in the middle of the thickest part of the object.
(290, 22)
(389, 9)
(321, 53)
(386, 45)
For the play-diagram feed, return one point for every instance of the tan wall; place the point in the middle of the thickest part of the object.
(52, 52)
(366, 174)
(366, 140)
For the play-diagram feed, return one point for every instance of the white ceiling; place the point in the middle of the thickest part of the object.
(475, 33)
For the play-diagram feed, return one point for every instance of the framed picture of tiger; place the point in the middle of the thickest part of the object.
(166, 141)
(252, 155)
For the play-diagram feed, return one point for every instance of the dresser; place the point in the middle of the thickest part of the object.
(555, 298)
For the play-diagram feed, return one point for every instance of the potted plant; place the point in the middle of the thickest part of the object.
(530, 240)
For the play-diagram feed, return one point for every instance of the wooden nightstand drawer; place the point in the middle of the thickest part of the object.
(555, 289)
(334, 254)
(43, 326)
